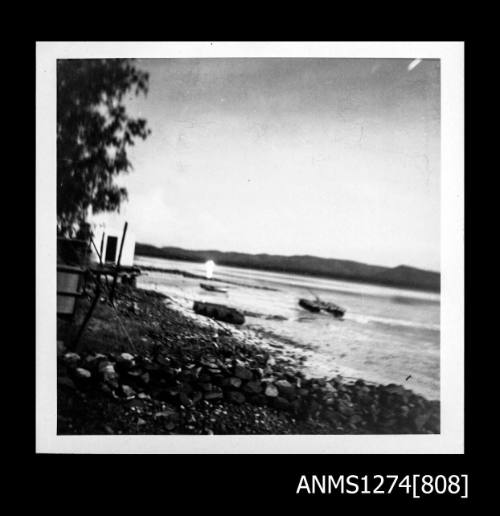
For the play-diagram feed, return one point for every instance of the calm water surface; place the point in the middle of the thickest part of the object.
(387, 334)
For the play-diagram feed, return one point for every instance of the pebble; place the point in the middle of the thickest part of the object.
(72, 358)
(236, 396)
(128, 391)
(82, 373)
(271, 391)
(243, 373)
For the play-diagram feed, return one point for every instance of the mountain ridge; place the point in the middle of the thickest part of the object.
(402, 276)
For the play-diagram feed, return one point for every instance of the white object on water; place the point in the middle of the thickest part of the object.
(209, 266)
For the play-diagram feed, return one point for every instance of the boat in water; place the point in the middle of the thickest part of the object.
(212, 288)
(317, 306)
(220, 312)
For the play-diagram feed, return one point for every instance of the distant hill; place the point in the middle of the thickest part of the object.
(402, 276)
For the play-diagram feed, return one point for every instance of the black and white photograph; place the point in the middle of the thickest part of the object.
(254, 247)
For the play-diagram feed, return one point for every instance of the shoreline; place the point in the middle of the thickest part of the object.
(337, 277)
(175, 372)
(185, 274)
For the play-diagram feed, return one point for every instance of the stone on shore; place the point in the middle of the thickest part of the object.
(82, 373)
(285, 388)
(236, 397)
(271, 391)
(235, 382)
(243, 373)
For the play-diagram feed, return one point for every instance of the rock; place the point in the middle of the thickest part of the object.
(394, 389)
(197, 396)
(186, 388)
(72, 358)
(128, 391)
(330, 399)
(420, 421)
(214, 395)
(404, 410)
(126, 357)
(296, 406)
(333, 418)
(107, 370)
(207, 387)
(235, 382)
(66, 382)
(236, 397)
(313, 407)
(271, 391)
(253, 387)
(259, 372)
(184, 399)
(61, 348)
(285, 387)
(204, 377)
(108, 390)
(135, 404)
(106, 367)
(258, 399)
(145, 377)
(281, 403)
(329, 388)
(164, 361)
(82, 373)
(165, 413)
(243, 373)
(92, 361)
(355, 419)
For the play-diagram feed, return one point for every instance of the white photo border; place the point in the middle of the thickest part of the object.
(451, 438)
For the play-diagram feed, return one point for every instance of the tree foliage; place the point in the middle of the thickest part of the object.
(93, 134)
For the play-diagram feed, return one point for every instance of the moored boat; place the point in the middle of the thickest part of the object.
(212, 288)
(220, 312)
(312, 306)
(318, 305)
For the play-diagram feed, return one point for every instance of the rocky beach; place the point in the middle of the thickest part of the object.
(148, 366)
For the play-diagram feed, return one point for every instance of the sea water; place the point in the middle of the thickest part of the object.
(388, 335)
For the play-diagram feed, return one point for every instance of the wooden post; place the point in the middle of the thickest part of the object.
(112, 295)
(99, 254)
(102, 248)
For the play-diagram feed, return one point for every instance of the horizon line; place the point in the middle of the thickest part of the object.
(294, 256)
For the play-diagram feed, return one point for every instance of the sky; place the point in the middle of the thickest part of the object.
(338, 158)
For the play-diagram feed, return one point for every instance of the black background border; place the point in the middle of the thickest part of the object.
(236, 482)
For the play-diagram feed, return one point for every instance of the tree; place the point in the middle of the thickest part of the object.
(93, 134)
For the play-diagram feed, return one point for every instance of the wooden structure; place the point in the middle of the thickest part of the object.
(77, 261)
(70, 283)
